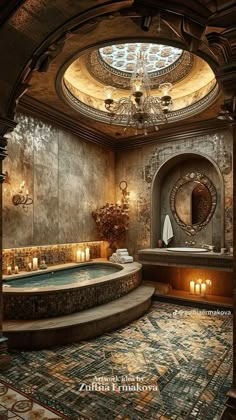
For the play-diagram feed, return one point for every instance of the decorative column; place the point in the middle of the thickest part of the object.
(5, 126)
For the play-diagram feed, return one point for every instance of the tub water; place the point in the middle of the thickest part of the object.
(67, 276)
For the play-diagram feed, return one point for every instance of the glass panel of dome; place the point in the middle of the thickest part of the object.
(123, 56)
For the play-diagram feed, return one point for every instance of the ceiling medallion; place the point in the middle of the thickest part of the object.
(123, 56)
(161, 69)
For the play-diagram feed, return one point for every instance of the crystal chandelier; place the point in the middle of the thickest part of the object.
(140, 110)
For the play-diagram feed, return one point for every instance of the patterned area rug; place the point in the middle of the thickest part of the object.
(16, 405)
(173, 363)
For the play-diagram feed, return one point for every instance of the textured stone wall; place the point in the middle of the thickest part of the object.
(138, 167)
(67, 179)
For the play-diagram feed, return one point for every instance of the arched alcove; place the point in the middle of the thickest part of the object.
(163, 182)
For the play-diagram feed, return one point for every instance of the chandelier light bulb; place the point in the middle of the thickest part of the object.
(165, 88)
(109, 92)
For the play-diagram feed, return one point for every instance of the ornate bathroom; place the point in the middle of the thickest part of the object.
(117, 133)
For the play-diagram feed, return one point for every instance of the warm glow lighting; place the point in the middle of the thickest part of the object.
(109, 91)
(192, 287)
(87, 254)
(35, 263)
(197, 289)
(208, 286)
(203, 289)
(21, 199)
(139, 109)
(165, 88)
(78, 255)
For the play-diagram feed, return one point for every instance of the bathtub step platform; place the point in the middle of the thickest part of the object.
(44, 333)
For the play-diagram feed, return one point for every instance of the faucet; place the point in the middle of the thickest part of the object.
(208, 247)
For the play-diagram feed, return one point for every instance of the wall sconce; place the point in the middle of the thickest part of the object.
(21, 199)
(125, 194)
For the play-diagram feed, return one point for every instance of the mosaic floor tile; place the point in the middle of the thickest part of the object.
(173, 363)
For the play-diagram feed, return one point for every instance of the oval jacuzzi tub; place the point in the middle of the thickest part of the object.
(67, 290)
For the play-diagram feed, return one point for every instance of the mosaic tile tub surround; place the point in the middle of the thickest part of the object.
(51, 254)
(183, 354)
(36, 304)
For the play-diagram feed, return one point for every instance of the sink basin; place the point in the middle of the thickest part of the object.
(186, 249)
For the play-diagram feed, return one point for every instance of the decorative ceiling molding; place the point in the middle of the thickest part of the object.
(38, 109)
(175, 132)
(99, 115)
(108, 75)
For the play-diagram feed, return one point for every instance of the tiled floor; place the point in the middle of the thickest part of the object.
(177, 359)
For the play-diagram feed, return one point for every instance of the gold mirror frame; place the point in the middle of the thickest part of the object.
(192, 230)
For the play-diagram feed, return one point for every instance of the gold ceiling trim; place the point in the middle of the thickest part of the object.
(102, 116)
(107, 75)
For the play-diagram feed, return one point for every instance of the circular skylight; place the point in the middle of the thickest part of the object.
(123, 56)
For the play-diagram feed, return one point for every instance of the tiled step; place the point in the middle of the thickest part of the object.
(39, 334)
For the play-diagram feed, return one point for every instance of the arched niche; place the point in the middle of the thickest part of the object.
(162, 185)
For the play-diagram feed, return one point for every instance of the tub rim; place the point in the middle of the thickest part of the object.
(126, 269)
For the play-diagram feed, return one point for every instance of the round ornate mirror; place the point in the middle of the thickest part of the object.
(193, 202)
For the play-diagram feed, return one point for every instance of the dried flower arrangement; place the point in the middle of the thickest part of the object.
(112, 222)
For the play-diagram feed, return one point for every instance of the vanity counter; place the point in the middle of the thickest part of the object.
(211, 260)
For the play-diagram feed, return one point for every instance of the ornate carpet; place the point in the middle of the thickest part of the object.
(173, 363)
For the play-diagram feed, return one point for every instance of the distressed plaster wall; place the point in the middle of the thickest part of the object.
(66, 177)
(139, 166)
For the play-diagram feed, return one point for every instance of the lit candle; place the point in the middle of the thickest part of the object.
(30, 266)
(35, 263)
(199, 281)
(8, 269)
(192, 287)
(82, 256)
(87, 254)
(208, 286)
(197, 289)
(78, 256)
(203, 289)
(16, 271)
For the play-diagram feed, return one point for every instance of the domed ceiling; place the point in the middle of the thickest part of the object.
(82, 81)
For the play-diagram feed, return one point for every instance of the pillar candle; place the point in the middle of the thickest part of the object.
(208, 286)
(8, 269)
(35, 263)
(30, 266)
(82, 256)
(197, 289)
(203, 289)
(78, 256)
(192, 287)
(87, 254)
(16, 270)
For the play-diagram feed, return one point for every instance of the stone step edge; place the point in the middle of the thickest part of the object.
(148, 292)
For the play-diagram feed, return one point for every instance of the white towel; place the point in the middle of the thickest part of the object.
(167, 230)
(126, 259)
(122, 254)
(121, 250)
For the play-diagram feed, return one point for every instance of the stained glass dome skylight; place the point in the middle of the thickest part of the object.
(123, 56)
